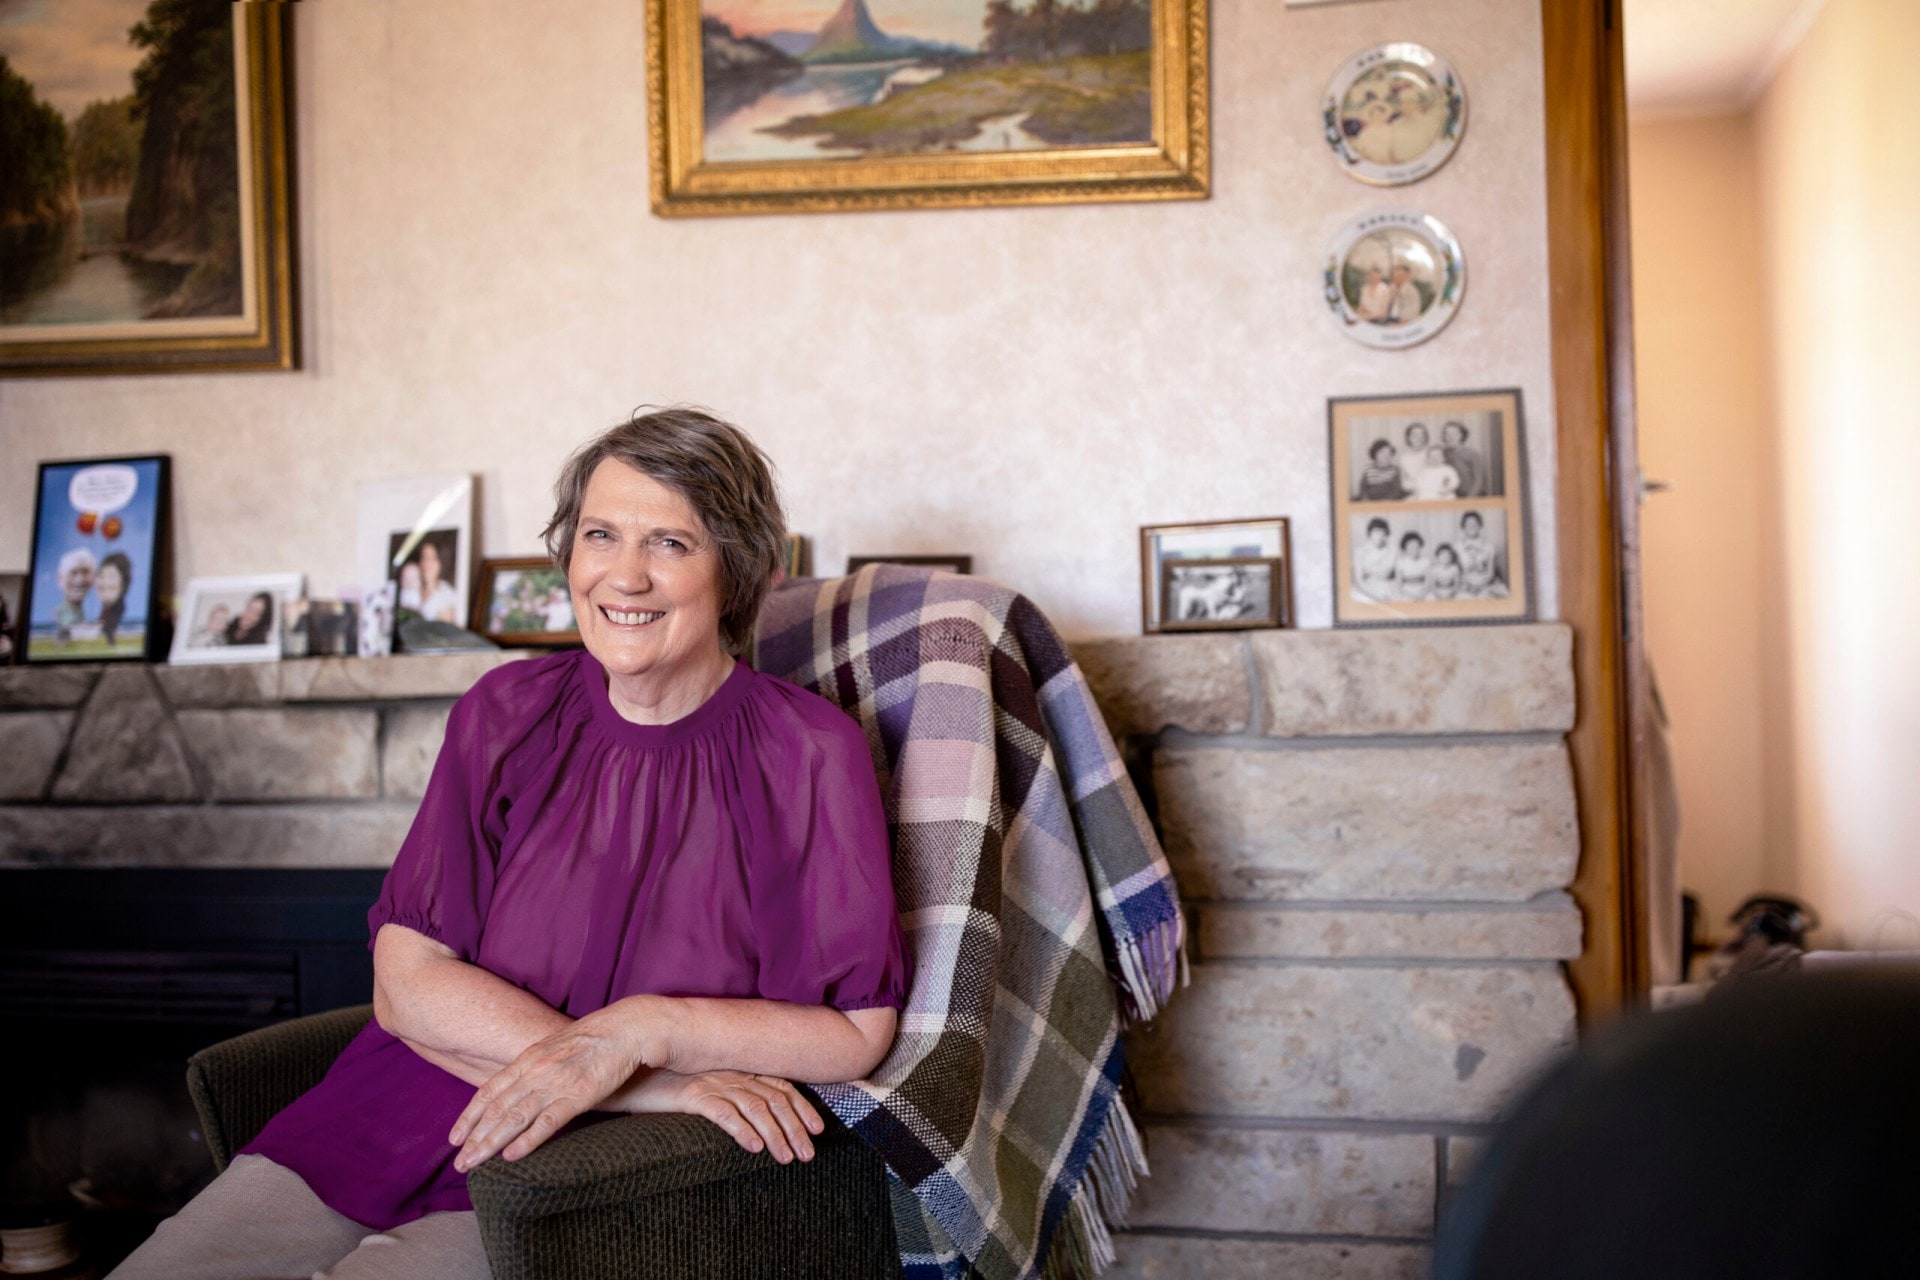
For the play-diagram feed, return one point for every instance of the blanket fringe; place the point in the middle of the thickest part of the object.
(1152, 965)
(1083, 1242)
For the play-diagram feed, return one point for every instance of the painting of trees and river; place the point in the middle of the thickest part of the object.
(121, 199)
(822, 79)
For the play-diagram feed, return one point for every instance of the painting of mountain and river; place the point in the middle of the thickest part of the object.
(843, 79)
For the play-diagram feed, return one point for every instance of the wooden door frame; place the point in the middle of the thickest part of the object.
(1596, 487)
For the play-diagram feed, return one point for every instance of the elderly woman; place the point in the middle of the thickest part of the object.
(643, 878)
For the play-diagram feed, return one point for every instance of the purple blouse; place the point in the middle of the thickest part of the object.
(739, 851)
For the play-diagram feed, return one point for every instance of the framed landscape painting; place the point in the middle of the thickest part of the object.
(779, 106)
(146, 197)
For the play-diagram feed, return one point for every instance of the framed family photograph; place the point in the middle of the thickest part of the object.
(146, 201)
(1242, 575)
(99, 555)
(1237, 594)
(1394, 278)
(235, 619)
(416, 534)
(1430, 509)
(524, 600)
(782, 106)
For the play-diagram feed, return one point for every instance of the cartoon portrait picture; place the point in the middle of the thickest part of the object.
(95, 537)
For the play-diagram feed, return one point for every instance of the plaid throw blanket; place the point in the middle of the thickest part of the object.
(1036, 900)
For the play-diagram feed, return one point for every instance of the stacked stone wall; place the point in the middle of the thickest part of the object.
(1374, 832)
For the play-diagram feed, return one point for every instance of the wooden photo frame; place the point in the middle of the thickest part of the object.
(1214, 540)
(952, 564)
(152, 238)
(100, 561)
(524, 601)
(1236, 593)
(13, 599)
(1414, 476)
(758, 107)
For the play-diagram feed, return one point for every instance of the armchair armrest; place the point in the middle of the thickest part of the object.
(617, 1160)
(240, 1084)
(659, 1196)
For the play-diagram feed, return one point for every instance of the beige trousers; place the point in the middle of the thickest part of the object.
(259, 1221)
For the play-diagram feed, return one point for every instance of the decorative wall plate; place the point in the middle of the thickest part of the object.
(1394, 113)
(1394, 278)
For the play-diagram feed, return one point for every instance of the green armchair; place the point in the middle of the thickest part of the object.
(639, 1196)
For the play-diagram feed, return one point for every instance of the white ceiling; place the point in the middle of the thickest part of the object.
(1699, 57)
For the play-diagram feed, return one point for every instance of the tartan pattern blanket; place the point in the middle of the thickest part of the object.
(1037, 903)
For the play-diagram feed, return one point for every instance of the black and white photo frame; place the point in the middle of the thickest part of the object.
(1430, 515)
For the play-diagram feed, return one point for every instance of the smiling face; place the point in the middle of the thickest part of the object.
(77, 581)
(111, 584)
(645, 580)
(429, 565)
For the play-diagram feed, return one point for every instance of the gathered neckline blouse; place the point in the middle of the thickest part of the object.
(739, 851)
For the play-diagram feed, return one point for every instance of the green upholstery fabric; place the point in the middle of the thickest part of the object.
(240, 1084)
(639, 1196)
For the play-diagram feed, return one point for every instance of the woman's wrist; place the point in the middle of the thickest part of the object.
(643, 1025)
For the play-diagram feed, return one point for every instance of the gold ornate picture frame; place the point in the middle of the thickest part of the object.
(120, 264)
(765, 106)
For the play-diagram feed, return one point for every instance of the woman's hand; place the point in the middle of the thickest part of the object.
(758, 1112)
(534, 1096)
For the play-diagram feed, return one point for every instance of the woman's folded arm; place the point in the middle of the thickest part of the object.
(456, 1015)
(812, 1044)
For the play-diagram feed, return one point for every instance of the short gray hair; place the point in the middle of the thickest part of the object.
(724, 476)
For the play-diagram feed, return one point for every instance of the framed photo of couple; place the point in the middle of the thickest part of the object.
(1430, 509)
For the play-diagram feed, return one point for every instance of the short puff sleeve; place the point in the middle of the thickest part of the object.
(441, 882)
(824, 911)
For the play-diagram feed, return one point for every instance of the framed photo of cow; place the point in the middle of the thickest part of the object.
(1241, 575)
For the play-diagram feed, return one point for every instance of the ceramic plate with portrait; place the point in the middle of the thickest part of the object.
(1394, 278)
(1394, 113)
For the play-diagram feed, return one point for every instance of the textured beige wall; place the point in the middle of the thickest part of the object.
(1839, 165)
(484, 287)
(1711, 547)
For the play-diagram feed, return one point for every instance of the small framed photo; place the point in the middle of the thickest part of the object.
(1430, 509)
(1394, 113)
(525, 600)
(1215, 541)
(794, 565)
(13, 598)
(234, 619)
(952, 564)
(99, 544)
(417, 533)
(1394, 278)
(1238, 594)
